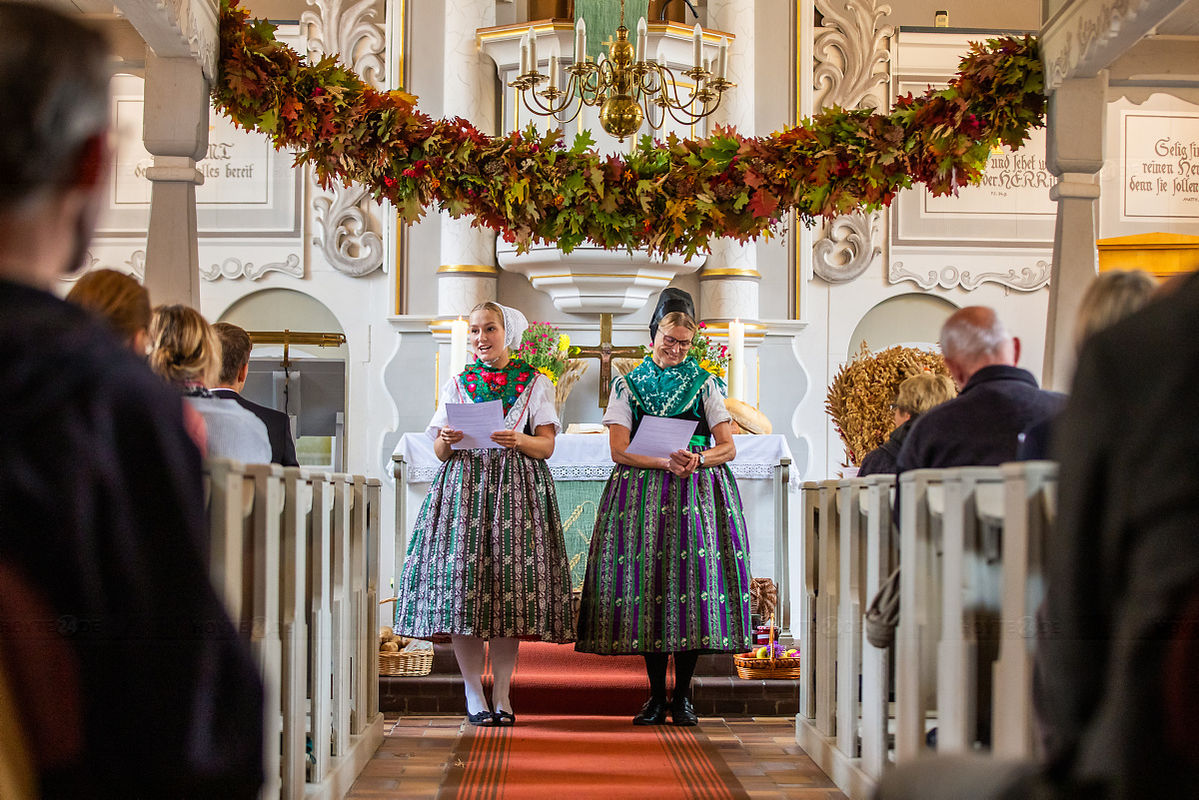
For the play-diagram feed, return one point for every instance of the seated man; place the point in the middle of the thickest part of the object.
(996, 401)
(235, 368)
(103, 542)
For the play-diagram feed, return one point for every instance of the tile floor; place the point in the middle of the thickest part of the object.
(760, 751)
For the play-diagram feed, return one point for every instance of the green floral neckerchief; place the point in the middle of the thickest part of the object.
(482, 383)
(666, 392)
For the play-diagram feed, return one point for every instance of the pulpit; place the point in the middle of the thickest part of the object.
(580, 466)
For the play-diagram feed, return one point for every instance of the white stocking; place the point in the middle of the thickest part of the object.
(503, 663)
(469, 652)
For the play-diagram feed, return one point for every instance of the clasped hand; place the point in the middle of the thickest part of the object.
(682, 462)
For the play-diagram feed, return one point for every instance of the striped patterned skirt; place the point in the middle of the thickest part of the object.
(487, 557)
(668, 568)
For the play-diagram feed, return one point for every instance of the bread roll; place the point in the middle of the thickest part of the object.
(748, 418)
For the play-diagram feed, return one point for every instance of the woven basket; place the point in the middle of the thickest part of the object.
(405, 663)
(748, 666)
(408, 663)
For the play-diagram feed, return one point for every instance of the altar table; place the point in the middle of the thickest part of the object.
(580, 466)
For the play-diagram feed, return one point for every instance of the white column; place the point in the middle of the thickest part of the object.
(467, 274)
(1075, 153)
(175, 131)
(730, 278)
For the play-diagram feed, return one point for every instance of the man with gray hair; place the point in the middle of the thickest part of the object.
(996, 401)
(125, 674)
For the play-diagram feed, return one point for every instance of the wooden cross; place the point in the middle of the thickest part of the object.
(605, 352)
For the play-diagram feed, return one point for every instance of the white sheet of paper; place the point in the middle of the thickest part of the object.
(658, 437)
(477, 421)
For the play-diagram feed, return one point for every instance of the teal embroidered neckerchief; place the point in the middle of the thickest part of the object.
(482, 383)
(669, 391)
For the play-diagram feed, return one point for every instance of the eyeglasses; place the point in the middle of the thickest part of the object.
(669, 342)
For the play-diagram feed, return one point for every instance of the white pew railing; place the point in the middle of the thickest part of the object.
(970, 541)
(294, 555)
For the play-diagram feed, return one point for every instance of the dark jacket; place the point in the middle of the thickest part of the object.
(1125, 552)
(102, 524)
(981, 426)
(278, 428)
(881, 460)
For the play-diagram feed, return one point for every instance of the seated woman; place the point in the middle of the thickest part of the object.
(187, 353)
(916, 395)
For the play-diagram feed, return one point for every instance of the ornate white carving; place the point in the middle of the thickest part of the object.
(1024, 279)
(344, 220)
(350, 33)
(1088, 35)
(849, 247)
(234, 268)
(177, 29)
(345, 216)
(851, 50)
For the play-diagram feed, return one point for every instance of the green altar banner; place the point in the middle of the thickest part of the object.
(578, 502)
(603, 17)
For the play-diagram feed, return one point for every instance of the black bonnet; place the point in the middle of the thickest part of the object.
(671, 299)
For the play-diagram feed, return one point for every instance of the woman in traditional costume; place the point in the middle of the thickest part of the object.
(668, 568)
(487, 561)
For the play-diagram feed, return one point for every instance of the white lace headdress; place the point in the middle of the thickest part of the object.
(515, 326)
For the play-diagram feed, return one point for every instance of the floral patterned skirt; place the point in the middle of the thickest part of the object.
(668, 568)
(487, 557)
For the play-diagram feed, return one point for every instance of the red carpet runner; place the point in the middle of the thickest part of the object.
(554, 679)
(580, 757)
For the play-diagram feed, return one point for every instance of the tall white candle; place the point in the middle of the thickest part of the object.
(532, 49)
(524, 54)
(697, 46)
(737, 360)
(457, 346)
(553, 73)
(722, 57)
(580, 41)
(642, 34)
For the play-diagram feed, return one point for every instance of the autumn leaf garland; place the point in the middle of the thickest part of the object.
(670, 196)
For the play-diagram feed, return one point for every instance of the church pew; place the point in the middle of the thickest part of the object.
(1030, 507)
(971, 542)
(875, 502)
(806, 626)
(303, 545)
(921, 508)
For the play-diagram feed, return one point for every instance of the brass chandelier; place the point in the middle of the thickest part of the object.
(625, 84)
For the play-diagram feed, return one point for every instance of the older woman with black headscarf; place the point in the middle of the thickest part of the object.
(487, 562)
(668, 568)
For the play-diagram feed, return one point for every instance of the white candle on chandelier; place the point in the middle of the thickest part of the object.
(457, 346)
(524, 54)
(553, 73)
(642, 34)
(580, 41)
(697, 46)
(736, 359)
(722, 58)
(532, 49)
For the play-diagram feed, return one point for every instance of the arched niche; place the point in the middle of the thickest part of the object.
(290, 373)
(912, 319)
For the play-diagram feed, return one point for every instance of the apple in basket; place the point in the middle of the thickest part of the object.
(774, 650)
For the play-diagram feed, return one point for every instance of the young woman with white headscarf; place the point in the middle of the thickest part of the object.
(487, 562)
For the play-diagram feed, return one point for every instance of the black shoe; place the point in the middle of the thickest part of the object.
(503, 719)
(652, 713)
(682, 712)
(483, 719)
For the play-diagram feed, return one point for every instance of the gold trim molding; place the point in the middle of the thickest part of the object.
(1160, 254)
(468, 269)
(730, 272)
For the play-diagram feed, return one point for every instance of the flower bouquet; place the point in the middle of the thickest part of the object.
(546, 349)
(711, 356)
